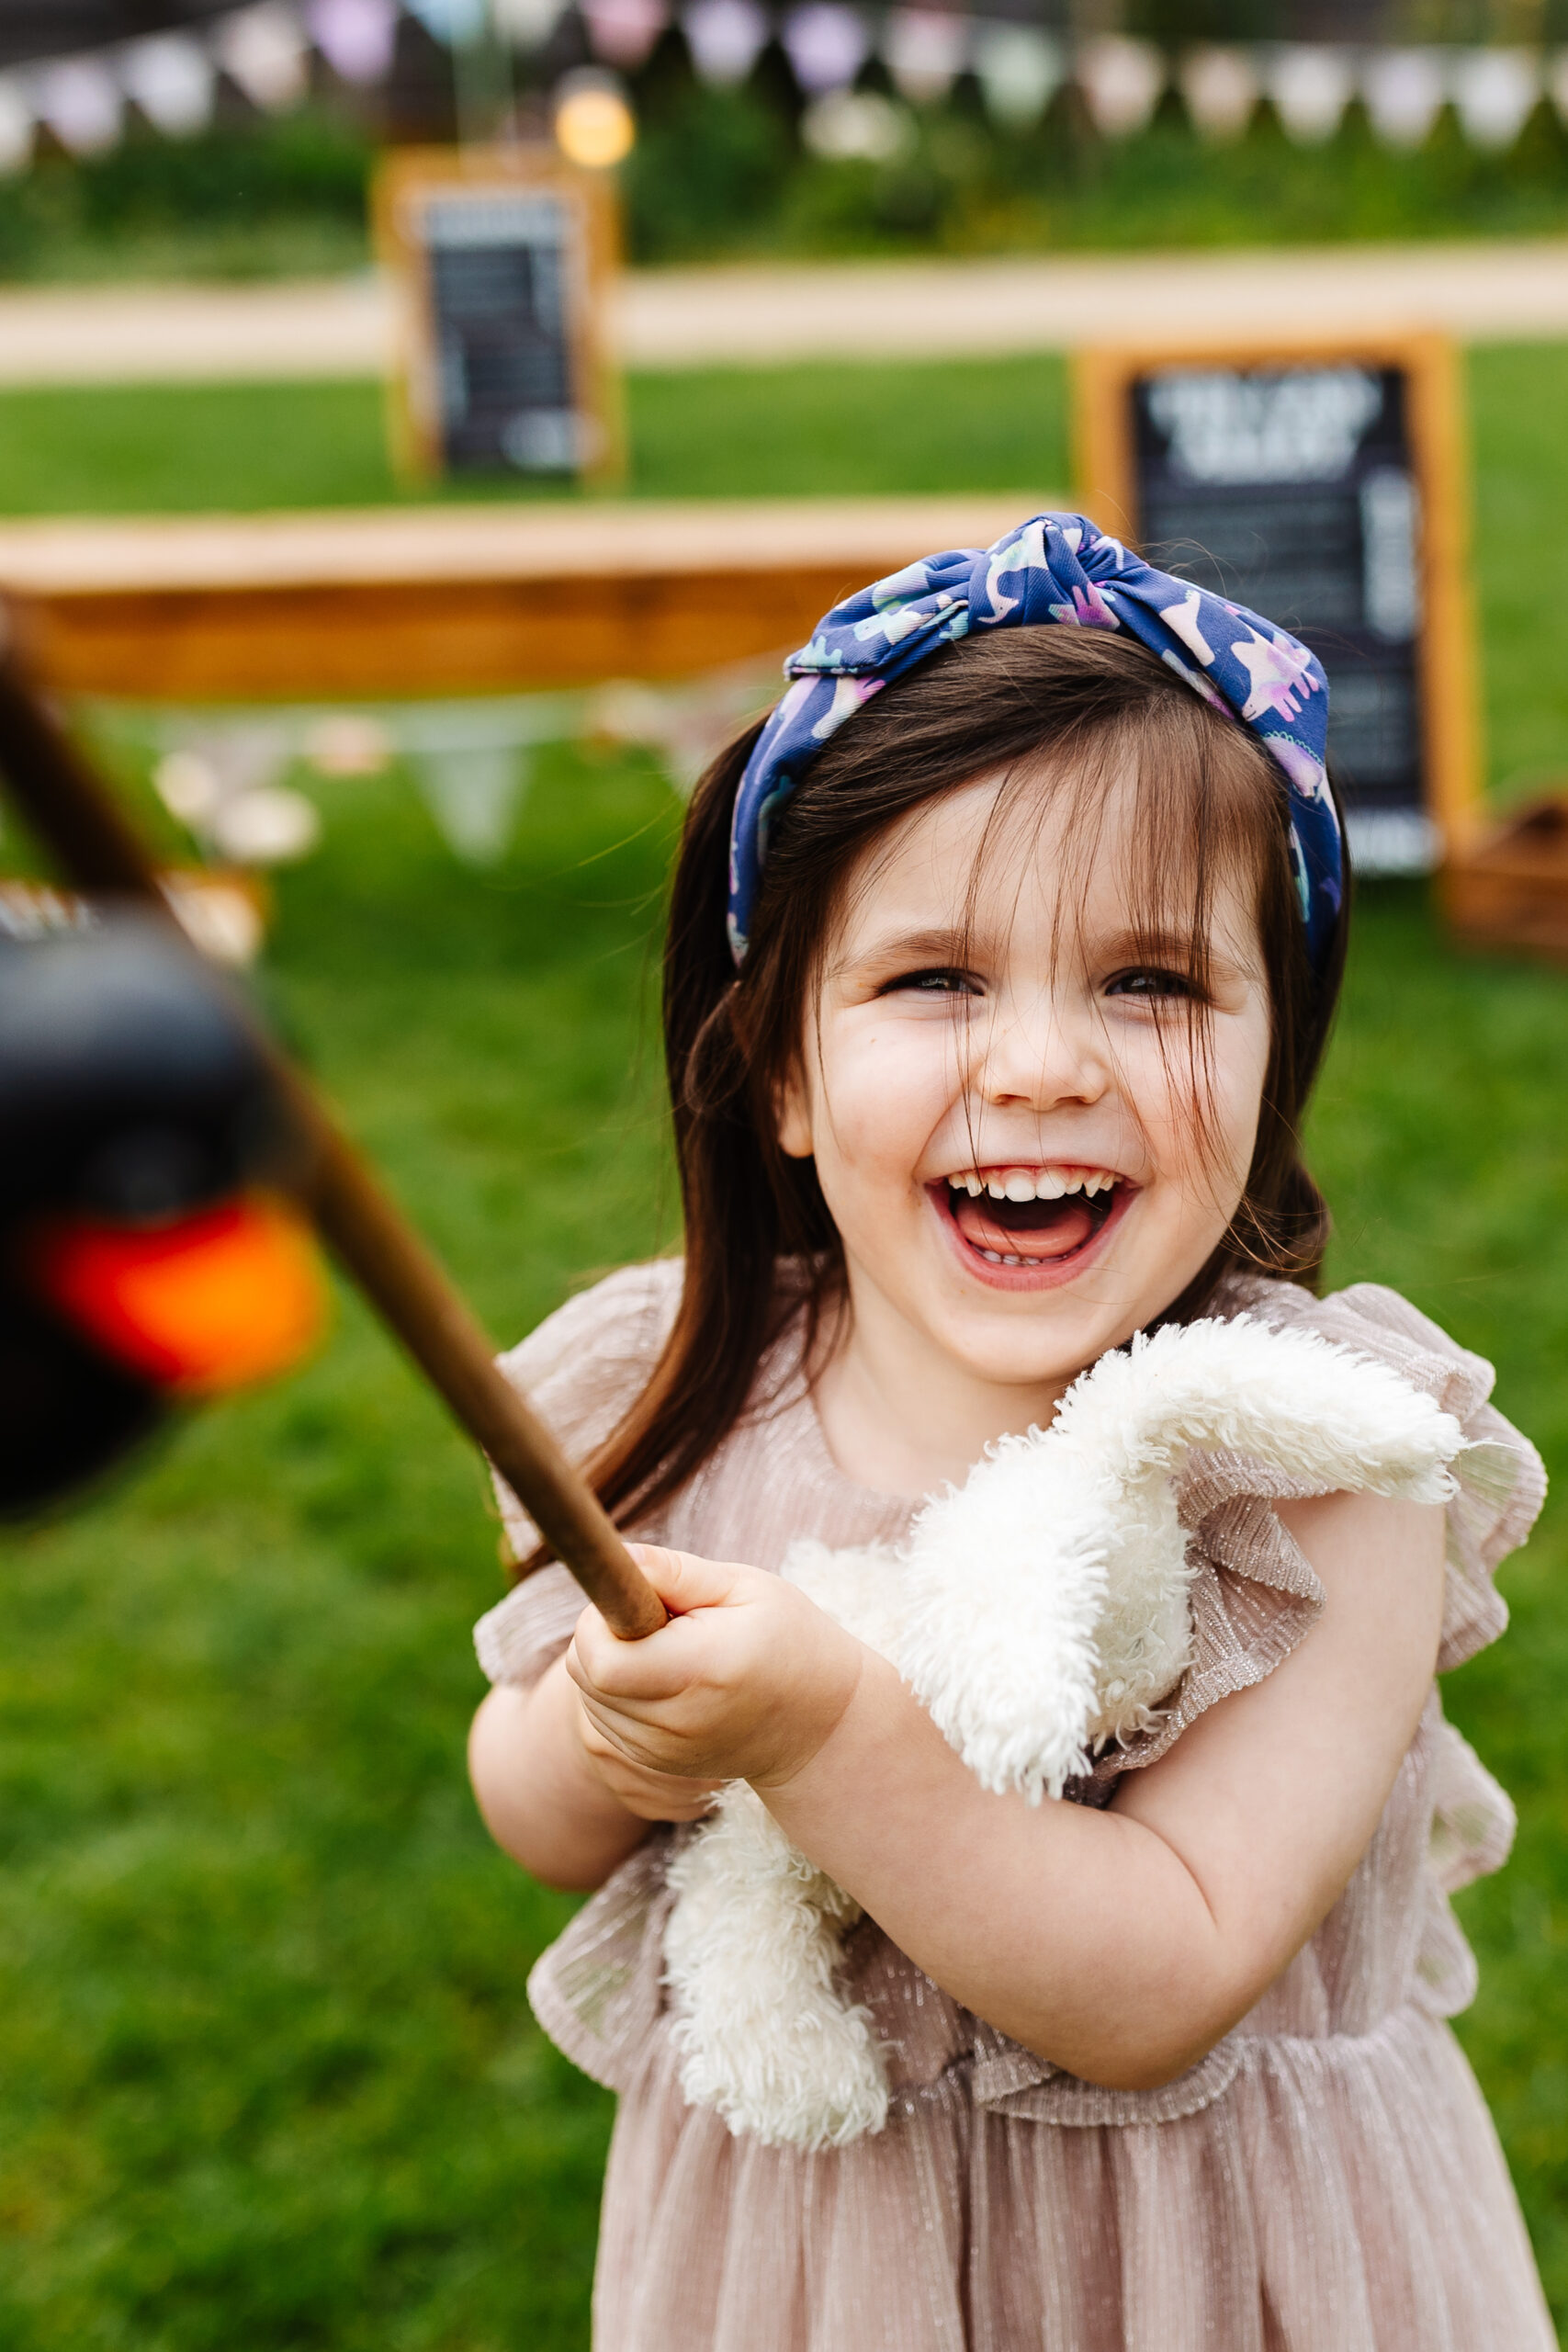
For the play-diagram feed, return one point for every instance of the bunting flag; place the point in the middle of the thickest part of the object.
(623, 32)
(685, 726)
(1310, 86)
(357, 37)
(1403, 89)
(222, 783)
(1020, 72)
(925, 50)
(264, 51)
(81, 101)
(827, 45)
(1122, 81)
(1495, 91)
(471, 761)
(1222, 88)
(172, 79)
(726, 39)
(265, 48)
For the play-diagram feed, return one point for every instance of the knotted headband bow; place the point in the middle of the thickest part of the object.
(1053, 568)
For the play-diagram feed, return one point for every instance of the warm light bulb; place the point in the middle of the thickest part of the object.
(593, 122)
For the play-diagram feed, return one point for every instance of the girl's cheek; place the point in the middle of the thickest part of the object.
(884, 1090)
(1201, 1114)
(1157, 1085)
(1176, 1129)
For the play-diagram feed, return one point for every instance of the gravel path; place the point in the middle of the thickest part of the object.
(755, 316)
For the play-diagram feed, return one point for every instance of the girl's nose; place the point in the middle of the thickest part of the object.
(1042, 1057)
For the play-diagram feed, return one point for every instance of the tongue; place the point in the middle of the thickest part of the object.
(1054, 1228)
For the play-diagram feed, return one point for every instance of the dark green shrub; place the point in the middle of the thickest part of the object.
(706, 174)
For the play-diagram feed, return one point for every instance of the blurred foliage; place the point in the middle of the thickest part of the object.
(285, 192)
(719, 173)
(960, 184)
(705, 157)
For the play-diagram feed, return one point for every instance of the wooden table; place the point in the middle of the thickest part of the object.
(456, 599)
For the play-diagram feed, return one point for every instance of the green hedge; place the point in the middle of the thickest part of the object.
(281, 192)
(725, 172)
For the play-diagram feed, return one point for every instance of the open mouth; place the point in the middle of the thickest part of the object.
(1032, 1219)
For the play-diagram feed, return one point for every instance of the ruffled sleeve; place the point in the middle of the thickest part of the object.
(1254, 1596)
(581, 1369)
(1254, 1593)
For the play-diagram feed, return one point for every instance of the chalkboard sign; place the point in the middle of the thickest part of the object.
(504, 261)
(1322, 488)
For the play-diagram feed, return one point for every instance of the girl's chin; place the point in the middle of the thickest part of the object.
(991, 1271)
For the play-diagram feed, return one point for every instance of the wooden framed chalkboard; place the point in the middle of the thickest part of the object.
(1321, 482)
(503, 260)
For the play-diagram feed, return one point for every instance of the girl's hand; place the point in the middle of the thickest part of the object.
(651, 1796)
(744, 1683)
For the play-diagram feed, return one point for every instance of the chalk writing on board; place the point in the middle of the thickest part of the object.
(505, 271)
(1290, 489)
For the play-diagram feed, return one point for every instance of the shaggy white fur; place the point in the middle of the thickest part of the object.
(1038, 1611)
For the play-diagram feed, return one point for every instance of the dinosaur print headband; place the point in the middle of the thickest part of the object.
(1053, 568)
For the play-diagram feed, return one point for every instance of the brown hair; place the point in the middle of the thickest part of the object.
(1050, 710)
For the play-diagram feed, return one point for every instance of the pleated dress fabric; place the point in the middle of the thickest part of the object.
(1326, 2179)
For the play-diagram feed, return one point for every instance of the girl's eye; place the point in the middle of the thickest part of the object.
(939, 982)
(1155, 984)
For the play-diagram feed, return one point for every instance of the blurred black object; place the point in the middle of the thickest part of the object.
(133, 1096)
(232, 1294)
(130, 1085)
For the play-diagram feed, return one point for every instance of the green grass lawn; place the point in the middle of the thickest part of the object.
(267, 2078)
(715, 433)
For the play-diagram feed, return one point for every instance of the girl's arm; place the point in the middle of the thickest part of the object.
(556, 1794)
(1120, 1945)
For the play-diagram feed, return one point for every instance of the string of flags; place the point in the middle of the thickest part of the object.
(244, 785)
(241, 782)
(266, 49)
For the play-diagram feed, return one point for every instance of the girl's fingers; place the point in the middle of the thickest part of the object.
(663, 1664)
(684, 1582)
(639, 1744)
(659, 1796)
(629, 1673)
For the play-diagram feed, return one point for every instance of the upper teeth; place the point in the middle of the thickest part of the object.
(1032, 1183)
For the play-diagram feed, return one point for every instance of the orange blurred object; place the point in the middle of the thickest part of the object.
(203, 1304)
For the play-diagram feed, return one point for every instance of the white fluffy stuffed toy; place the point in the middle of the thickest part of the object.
(1038, 1611)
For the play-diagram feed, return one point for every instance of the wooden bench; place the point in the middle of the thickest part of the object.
(454, 599)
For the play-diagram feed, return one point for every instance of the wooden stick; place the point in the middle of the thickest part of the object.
(66, 806)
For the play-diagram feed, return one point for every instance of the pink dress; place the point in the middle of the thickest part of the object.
(1327, 2179)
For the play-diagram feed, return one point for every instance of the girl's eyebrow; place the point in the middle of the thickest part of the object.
(1130, 946)
(943, 944)
(1157, 946)
(939, 946)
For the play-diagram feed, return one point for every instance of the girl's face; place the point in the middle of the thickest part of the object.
(1028, 1147)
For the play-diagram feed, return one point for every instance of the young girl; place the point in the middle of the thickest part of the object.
(1034, 934)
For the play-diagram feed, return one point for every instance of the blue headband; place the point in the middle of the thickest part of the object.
(1053, 568)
